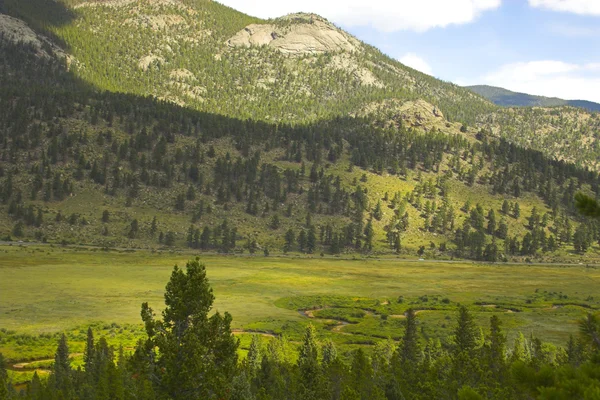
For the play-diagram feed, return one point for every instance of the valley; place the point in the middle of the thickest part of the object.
(356, 303)
(197, 203)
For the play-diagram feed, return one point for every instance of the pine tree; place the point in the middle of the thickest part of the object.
(62, 374)
(505, 207)
(465, 334)
(378, 212)
(369, 234)
(308, 363)
(491, 227)
(197, 353)
(397, 243)
(290, 237)
(517, 211)
(4, 383)
(410, 341)
(88, 352)
(254, 357)
(154, 226)
(497, 345)
(311, 240)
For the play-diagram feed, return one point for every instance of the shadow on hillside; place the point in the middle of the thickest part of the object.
(41, 15)
(34, 78)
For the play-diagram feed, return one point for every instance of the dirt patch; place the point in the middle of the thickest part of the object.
(245, 332)
(339, 326)
(310, 313)
(402, 316)
(26, 365)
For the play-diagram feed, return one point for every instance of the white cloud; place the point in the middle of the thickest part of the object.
(416, 62)
(582, 7)
(549, 78)
(382, 15)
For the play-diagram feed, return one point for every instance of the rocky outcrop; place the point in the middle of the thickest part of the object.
(347, 62)
(296, 34)
(18, 31)
(415, 114)
(145, 62)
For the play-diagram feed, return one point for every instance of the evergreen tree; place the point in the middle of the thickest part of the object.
(369, 234)
(62, 374)
(378, 212)
(505, 207)
(4, 382)
(311, 240)
(497, 345)
(254, 357)
(195, 351)
(308, 363)
(491, 227)
(88, 352)
(290, 237)
(465, 334)
(517, 211)
(410, 341)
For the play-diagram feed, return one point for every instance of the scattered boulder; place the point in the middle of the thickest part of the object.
(147, 61)
(182, 74)
(347, 62)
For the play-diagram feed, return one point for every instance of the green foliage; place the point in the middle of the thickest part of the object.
(196, 352)
(587, 206)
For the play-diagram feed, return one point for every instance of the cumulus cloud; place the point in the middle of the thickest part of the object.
(416, 62)
(549, 78)
(581, 7)
(383, 15)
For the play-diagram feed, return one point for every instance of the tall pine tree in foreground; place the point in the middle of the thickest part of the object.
(189, 354)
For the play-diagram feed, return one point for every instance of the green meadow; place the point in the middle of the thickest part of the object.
(48, 290)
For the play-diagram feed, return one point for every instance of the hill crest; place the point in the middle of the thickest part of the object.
(508, 98)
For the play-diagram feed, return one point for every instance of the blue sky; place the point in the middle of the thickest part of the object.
(544, 47)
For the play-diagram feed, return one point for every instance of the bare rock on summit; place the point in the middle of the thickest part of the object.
(296, 34)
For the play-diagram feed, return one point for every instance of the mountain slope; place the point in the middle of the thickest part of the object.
(194, 53)
(296, 69)
(376, 173)
(506, 98)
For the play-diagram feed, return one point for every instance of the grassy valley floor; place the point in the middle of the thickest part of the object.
(49, 290)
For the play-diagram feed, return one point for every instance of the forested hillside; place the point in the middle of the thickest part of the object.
(210, 144)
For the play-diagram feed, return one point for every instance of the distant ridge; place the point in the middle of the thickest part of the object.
(507, 98)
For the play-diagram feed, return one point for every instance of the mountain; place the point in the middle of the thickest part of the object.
(176, 123)
(506, 98)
